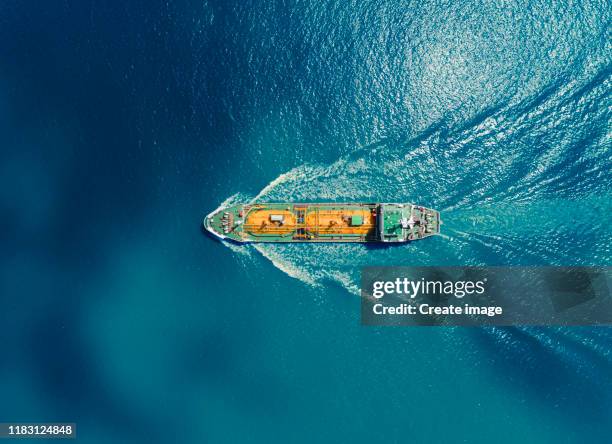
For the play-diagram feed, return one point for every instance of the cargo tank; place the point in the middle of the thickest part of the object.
(323, 222)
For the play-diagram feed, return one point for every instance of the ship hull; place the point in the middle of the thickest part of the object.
(323, 222)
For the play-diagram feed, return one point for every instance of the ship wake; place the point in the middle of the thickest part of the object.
(500, 203)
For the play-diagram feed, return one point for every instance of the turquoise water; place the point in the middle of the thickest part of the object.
(122, 125)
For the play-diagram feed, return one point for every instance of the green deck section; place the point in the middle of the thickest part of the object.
(394, 222)
(356, 221)
(392, 217)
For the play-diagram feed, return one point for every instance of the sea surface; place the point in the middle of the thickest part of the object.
(123, 123)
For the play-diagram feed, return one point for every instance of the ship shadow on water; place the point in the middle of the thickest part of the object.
(386, 245)
(368, 245)
(207, 234)
(225, 241)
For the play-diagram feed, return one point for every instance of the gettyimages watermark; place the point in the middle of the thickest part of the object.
(481, 296)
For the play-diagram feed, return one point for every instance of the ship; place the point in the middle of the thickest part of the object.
(323, 222)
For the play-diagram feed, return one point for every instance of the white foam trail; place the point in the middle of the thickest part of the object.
(245, 250)
(292, 175)
(232, 200)
(287, 267)
(501, 201)
(347, 282)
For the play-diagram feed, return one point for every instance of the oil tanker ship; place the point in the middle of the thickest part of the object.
(323, 222)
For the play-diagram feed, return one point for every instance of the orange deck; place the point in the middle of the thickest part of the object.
(317, 221)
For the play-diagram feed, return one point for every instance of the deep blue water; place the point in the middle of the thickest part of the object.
(122, 124)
